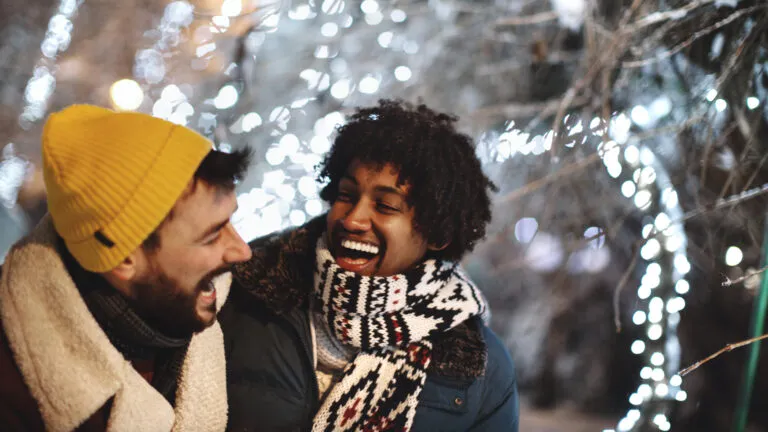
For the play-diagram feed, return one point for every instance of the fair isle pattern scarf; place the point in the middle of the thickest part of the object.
(390, 320)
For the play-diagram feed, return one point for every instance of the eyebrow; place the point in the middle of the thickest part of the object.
(379, 188)
(218, 227)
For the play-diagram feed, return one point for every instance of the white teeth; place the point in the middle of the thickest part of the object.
(364, 247)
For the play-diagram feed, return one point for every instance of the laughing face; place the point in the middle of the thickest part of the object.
(370, 225)
(173, 286)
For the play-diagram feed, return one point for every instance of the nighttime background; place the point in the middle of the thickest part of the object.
(629, 139)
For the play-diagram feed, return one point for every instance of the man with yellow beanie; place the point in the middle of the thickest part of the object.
(108, 308)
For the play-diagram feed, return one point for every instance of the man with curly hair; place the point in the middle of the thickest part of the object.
(362, 319)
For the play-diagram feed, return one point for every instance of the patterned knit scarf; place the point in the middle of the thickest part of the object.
(390, 320)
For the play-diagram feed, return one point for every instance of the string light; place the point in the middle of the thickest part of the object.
(43, 82)
(662, 283)
(293, 194)
(286, 196)
(37, 93)
(13, 171)
(645, 182)
(126, 95)
(733, 256)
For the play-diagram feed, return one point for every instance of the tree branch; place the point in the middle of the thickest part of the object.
(701, 33)
(623, 282)
(729, 282)
(729, 347)
(538, 18)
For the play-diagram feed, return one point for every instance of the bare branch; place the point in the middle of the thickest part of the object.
(729, 347)
(523, 110)
(618, 44)
(549, 179)
(729, 282)
(673, 15)
(622, 283)
(526, 20)
(686, 43)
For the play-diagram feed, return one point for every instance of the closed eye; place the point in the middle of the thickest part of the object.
(345, 197)
(212, 239)
(386, 208)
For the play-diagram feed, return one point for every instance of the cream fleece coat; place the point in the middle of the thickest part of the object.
(72, 369)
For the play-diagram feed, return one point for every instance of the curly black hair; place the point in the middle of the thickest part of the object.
(448, 189)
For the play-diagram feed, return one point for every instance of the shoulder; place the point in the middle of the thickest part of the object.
(500, 369)
(279, 274)
(461, 352)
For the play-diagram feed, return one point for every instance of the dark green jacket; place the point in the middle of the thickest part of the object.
(271, 379)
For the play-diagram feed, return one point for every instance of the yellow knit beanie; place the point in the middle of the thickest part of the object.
(112, 177)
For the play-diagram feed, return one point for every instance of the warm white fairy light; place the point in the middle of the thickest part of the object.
(638, 347)
(721, 105)
(645, 182)
(284, 198)
(648, 186)
(126, 95)
(40, 87)
(733, 256)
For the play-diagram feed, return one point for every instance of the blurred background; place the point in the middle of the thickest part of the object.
(628, 138)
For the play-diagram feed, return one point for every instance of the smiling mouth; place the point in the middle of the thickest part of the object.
(355, 255)
(208, 293)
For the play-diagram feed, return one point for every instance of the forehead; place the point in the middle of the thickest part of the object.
(200, 205)
(375, 175)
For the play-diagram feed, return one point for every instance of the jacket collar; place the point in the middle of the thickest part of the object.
(280, 275)
(72, 369)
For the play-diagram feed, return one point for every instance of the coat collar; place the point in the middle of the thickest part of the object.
(280, 275)
(72, 369)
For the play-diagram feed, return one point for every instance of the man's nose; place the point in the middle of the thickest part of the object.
(238, 250)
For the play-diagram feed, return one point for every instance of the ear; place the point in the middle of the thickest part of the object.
(434, 248)
(128, 269)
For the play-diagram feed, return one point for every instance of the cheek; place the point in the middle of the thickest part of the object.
(187, 267)
(405, 245)
(336, 211)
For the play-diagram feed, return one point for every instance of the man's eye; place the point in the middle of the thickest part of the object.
(212, 239)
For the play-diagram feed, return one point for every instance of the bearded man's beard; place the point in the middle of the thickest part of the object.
(169, 308)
